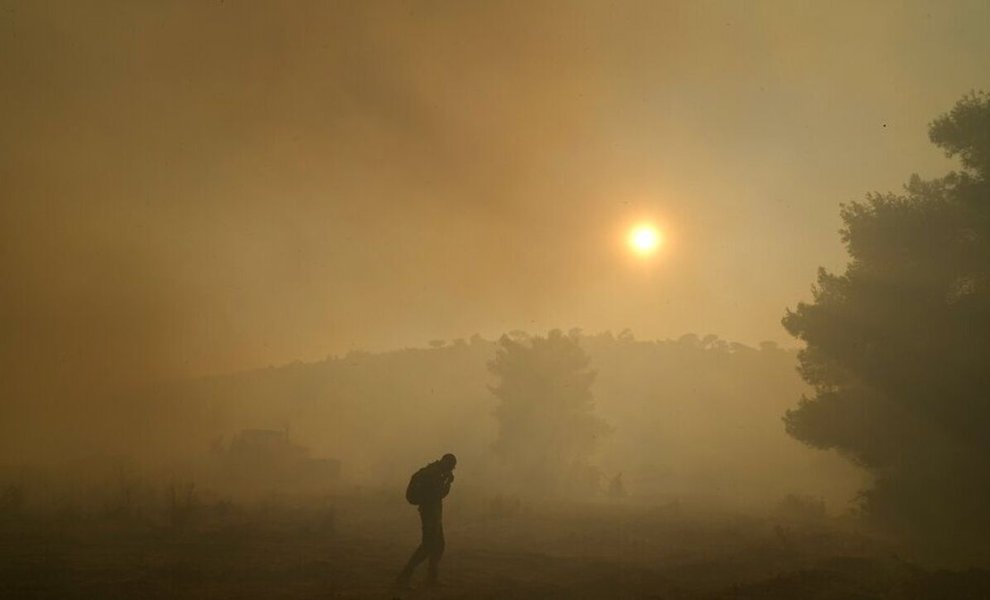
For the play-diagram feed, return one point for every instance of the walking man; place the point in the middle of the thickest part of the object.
(427, 489)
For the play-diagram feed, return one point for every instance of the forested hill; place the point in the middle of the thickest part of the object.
(688, 417)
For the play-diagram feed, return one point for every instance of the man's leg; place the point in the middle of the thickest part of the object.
(418, 556)
(421, 553)
(436, 548)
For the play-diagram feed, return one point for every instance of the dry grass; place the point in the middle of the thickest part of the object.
(351, 546)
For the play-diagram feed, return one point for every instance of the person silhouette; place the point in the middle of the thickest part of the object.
(427, 489)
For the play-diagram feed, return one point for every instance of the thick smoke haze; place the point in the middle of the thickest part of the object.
(259, 261)
(198, 188)
(201, 187)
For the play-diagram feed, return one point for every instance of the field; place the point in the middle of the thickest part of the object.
(351, 546)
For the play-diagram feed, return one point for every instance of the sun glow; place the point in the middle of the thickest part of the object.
(644, 239)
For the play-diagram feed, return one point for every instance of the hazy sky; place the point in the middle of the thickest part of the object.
(192, 187)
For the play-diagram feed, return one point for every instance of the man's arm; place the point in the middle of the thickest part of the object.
(445, 482)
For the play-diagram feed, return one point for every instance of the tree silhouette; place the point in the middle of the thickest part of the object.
(898, 347)
(547, 429)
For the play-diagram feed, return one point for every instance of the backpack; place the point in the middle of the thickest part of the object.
(418, 487)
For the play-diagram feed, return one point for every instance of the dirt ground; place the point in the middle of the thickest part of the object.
(352, 546)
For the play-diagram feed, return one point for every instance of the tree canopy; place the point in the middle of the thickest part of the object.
(898, 346)
(547, 429)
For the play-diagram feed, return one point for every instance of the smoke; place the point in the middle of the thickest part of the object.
(195, 188)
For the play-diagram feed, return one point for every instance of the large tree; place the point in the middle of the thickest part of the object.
(547, 429)
(898, 347)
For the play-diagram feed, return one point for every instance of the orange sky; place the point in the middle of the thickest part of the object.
(210, 186)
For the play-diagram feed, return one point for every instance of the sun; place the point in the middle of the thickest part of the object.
(644, 239)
